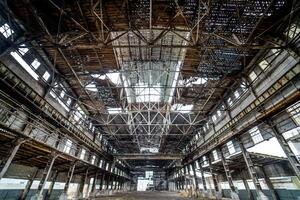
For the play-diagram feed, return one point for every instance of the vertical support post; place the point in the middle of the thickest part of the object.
(189, 183)
(184, 177)
(82, 184)
(116, 184)
(7, 161)
(274, 194)
(252, 172)
(218, 192)
(195, 178)
(287, 150)
(93, 191)
(233, 190)
(204, 192)
(102, 181)
(45, 176)
(49, 191)
(112, 183)
(68, 181)
(249, 194)
(28, 185)
(181, 180)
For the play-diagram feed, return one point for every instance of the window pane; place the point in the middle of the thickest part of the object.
(256, 135)
(252, 76)
(23, 63)
(35, 64)
(46, 76)
(6, 30)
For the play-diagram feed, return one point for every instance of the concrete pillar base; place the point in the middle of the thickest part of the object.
(205, 194)
(262, 196)
(79, 196)
(218, 195)
(37, 197)
(234, 196)
(63, 196)
(92, 194)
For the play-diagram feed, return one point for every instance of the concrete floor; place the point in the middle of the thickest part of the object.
(151, 195)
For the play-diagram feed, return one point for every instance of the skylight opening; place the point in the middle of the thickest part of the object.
(114, 77)
(91, 87)
(182, 108)
(114, 110)
(23, 63)
(144, 93)
(149, 150)
(6, 30)
(192, 81)
(199, 81)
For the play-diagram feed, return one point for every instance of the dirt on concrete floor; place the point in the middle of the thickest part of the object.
(151, 195)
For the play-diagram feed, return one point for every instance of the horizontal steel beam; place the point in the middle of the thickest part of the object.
(197, 47)
(148, 156)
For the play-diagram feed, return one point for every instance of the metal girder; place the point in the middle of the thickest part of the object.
(144, 156)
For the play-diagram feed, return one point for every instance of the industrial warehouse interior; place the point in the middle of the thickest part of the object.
(149, 99)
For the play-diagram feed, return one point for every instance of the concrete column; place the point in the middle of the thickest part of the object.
(84, 179)
(205, 192)
(28, 185)
(12, 152)
(234, 191)
(93, 191)
(112, 183)
(184, 177)
(249, 194)
(287, 150)
(49, 191)
(46, 174)
(122, 185)
(218, 192)
(88, 186)
(63, 195)
(274, 194)
(252, 172)
(182, 180)
(108, 181)
(116, 184)
(195, 179)
(102, 184)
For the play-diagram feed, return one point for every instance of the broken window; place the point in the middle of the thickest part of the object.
(6, 30)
